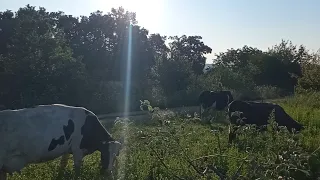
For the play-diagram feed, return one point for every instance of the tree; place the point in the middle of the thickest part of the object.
(160, 52)
(236, 59)
(310, 79)
(37, 62)
(6, 30)
(270, 70)
(51, 57)
(292, 58)
(190, 48)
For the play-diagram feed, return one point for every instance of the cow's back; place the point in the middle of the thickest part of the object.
(223, 98)
(30, 131)
(265, 109)
(255, 113)
(206, 98)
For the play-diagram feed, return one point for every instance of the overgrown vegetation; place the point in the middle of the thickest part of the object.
(184, 148)
(50, 57)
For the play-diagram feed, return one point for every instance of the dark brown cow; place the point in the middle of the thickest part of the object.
(218, 100)
(258, 114)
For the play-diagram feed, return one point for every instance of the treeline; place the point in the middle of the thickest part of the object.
(50, 57)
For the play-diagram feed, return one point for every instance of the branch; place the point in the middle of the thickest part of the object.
(187, 157)
(236, 174)
(220, 155)
(161, 161)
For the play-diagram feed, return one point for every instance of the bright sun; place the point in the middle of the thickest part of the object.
(149, 12)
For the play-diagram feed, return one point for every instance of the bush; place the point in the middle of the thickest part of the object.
(109, 97)
(269, 92)
(310, 81)
(157, 97)
(171, 147)
(184, 149)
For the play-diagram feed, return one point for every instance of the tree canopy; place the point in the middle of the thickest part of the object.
(50, 57)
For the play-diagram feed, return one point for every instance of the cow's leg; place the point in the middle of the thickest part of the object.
(202, 112)
(63, 164)
(77, 159)
(204, 115)
(232, 133)
(3, 175)
(18, 162)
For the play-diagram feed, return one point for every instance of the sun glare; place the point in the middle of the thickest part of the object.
(149, 12)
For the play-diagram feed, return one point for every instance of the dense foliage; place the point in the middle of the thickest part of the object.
(181, 147)
(50, 57)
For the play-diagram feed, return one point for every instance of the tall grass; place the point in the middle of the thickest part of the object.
(184, 148)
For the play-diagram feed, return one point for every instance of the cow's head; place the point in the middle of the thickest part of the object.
(297, 127)
(207, 99)
(109, 151)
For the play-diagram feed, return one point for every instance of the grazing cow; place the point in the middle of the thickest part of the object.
(218, 100)
(45, 132)
(258, 114)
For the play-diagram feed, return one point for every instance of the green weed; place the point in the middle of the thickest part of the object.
(184, 148)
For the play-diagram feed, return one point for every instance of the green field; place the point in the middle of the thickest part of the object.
(186, 149)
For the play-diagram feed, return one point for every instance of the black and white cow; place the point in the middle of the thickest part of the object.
(258, 113)
(218, 100)
(45, 132)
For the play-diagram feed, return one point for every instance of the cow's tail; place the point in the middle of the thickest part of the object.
(231, 129)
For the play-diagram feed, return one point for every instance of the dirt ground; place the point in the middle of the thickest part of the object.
(143, 116)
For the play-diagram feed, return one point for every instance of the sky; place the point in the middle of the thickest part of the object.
(223, 24)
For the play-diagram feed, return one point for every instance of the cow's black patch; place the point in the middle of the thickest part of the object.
(93, 133)
(206, 99)
(54, 143)
(105, 156)
(69, 129)
(221, 98)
